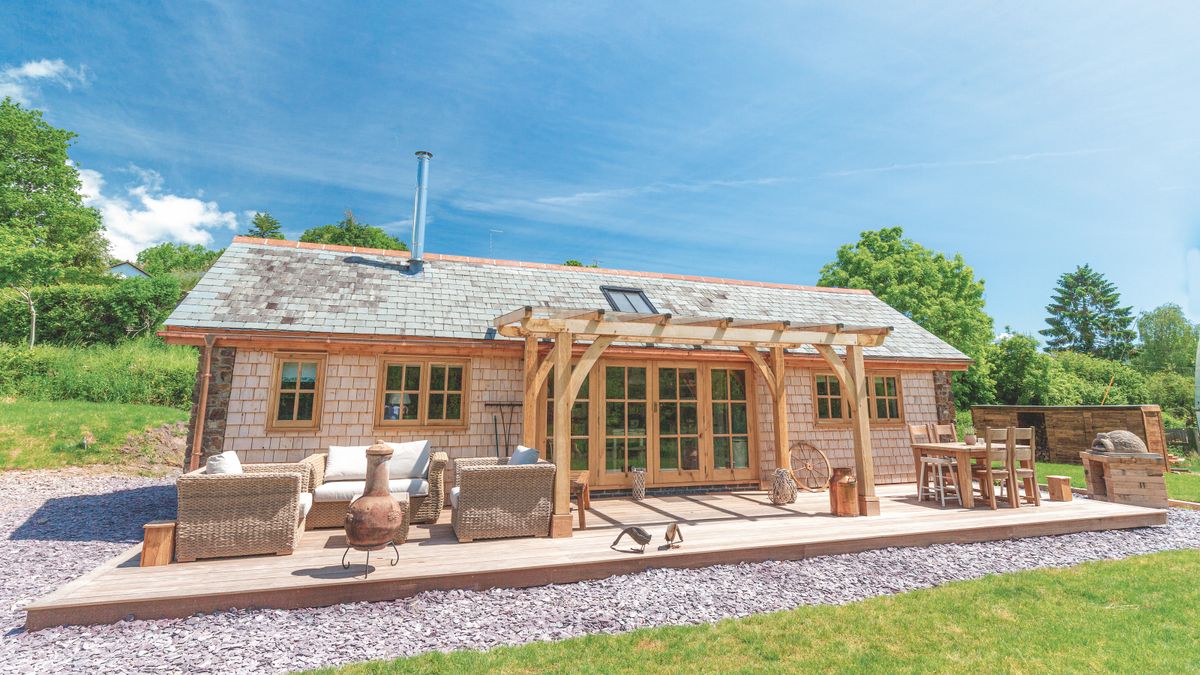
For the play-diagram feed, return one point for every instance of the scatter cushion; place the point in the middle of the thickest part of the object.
(349, 490)
(454, 497)
(225, 463)
(306, 502)
(409, 460)
(523, 455)
(346, 462)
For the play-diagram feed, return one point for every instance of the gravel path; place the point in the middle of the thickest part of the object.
(103, 514)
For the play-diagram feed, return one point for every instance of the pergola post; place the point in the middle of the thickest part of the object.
(864, 463)
(560, 520)
(783, 458)
(529, 409)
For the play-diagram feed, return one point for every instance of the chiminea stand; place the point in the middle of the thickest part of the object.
(367, 562)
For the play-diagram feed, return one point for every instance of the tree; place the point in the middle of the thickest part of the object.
(1086, 316)
(264, 226)
(167, 257)
(940, 294)
(1168, 341)
(46, 233)
(350, 232)
(577, 263)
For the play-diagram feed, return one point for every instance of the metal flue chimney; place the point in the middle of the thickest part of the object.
(418, 237)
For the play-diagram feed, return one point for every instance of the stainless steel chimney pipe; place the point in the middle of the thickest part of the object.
(418, 238)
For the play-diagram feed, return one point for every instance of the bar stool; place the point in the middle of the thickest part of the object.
(944, 474)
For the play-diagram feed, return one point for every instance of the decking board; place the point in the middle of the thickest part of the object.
(720, 528)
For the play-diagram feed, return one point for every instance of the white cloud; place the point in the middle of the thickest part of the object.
(20, 82)
(143, 216)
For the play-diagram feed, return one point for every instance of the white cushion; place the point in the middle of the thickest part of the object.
(409, 460)
(349, 490)
(306, 502)
(523, 455)
(346, 462)
(454, 497)
(226, 462)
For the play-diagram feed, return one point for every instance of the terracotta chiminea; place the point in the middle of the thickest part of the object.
(376, 519)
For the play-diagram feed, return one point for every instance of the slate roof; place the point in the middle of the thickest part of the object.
(279, 286)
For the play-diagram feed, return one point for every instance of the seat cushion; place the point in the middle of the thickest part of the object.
(409, 460)
(349, 490)
(225, 463)
(306, 502)
(346, 462)
(454, 497)
(523, 455)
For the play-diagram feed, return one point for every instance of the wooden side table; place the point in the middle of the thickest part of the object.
(582, 493)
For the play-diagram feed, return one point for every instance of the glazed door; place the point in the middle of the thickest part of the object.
(731, 458)
(625, 428)
(677, 453)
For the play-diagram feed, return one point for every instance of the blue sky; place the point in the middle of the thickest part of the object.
(681, 137)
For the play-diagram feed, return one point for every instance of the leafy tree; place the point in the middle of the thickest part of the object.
(1174, 392)
(941, 294)
(1168, 341)
(350, 232)
(167, 257)
(264, 226)
(1086, 316)
(1092, 376)
(1021, 372)
(576, 263)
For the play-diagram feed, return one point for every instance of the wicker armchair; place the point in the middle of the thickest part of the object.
(421, 509)
(257, 511)
(492, 499)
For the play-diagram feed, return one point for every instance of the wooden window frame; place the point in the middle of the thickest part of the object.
(425, 363)
(274, 424)
(845, 418)
(871, 398)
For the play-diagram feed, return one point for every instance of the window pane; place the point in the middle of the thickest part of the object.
(668, 454)
(637, 453)
(287, 404)
(583, 389)
(391, 407)
(579, 419)
(437, 378)
(878, 385)
(739, 424)
(614, 455)
(437, 406)
(614, 416)
(721, 452)
(614, 382)
(412, 378)
(395, 378)
(308, 376)
(687, 384)
(893, 409)
(666, 384)
(287, 377)
(720, 418)
(720, 390)
(637, 384)
(822, 386)
(454, 409)
(823, 408)
(579, 454)
(881, 408)
(741, 452)
(737, 385)
(689, 453)
(668, 419)
(454, 378)
(688, 418)
(410, 406)
(835, 387)
(891, 386)
(304, 407)
(637, 418)
(835, 408)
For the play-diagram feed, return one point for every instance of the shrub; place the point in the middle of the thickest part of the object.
(142, 371)
(79, 314)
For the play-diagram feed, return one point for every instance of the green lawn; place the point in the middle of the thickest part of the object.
(37, 435)
(1140, 614)
(1179, 485)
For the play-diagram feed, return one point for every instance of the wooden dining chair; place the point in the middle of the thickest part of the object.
(986, 472)
(1025, 463)
(1013, 450)
(920, 433)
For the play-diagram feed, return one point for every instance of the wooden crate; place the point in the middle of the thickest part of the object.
(1135, 479)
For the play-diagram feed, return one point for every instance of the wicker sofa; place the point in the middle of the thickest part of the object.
(426, 495)
(492, 499)
(260, 510)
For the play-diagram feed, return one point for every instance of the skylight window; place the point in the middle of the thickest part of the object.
(628, 300)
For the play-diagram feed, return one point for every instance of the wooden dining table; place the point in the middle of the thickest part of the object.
(963, 455)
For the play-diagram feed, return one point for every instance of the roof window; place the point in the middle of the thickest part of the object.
(628, 300)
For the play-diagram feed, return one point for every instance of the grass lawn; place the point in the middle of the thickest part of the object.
(1140, 614)
(38, 435)
(1179, 485)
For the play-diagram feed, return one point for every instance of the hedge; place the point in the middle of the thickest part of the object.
(78, 314)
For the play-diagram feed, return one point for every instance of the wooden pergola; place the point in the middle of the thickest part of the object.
(602, 328)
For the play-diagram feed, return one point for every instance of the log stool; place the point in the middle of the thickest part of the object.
(158, 543)
(1059, 488)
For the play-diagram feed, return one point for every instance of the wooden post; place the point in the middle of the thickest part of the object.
(783, 458)
(1059, 488)
(864, 463)
(529, 407)
(158, 543)
(560, 521)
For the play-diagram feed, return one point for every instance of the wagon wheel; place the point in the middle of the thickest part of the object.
(811, 467)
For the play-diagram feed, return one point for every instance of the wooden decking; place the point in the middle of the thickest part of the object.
(719, 528)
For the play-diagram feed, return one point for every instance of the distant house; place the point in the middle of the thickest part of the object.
(127, 269)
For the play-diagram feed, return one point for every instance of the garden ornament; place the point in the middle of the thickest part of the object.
(637, 534)
(674, 535)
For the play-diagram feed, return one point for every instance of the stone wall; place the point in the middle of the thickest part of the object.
(220, 386)
(943, 390)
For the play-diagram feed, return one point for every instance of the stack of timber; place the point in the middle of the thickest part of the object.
(1126, 478)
